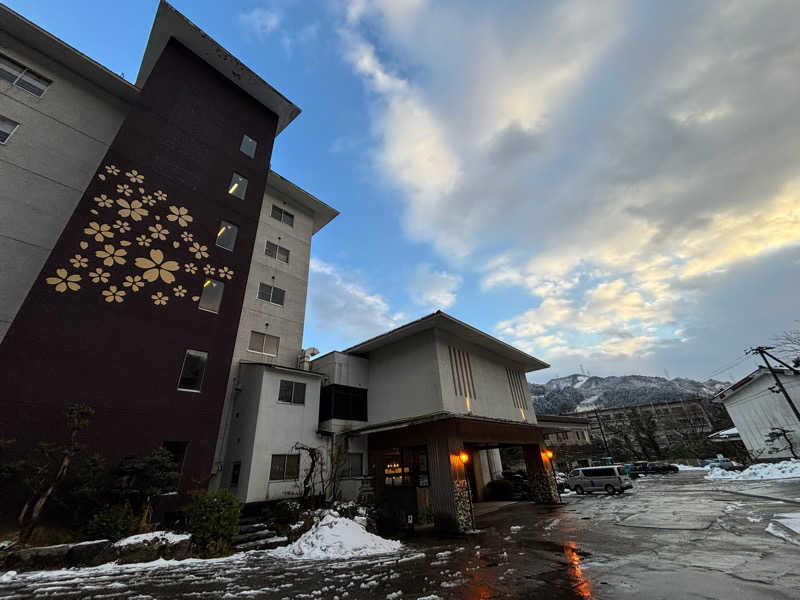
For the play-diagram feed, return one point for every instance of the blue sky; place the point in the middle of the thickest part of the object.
(608, 185)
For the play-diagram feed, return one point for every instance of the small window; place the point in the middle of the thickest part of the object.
(270, 293)
(292, 392)
(284, 466)
(248, 146)
(7, 128)
(283, 216)
(22, 77)
(238, 186)
(211, 297)
(278, 252)
(354, 466)
(226, 236)
(193, 370)
(263, 343)
(235, 472)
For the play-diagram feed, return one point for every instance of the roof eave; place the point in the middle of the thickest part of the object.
(169, 23)
(322, 213)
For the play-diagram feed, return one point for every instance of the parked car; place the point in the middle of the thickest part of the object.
(722, 463)
(561, 482)
(662, 468)
(611, 479)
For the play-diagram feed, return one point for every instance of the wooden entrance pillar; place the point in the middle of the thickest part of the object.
(540, 474)
(451, 503)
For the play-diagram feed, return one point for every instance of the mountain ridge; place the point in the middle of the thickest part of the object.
(579, 393)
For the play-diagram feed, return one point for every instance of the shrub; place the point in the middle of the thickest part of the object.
(499, 489)
(214, 518)
(285, 512)
(112, 523)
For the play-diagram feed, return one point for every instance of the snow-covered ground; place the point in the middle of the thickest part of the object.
(335, 537)
(691, 468)
(786, 469)
(162, 537)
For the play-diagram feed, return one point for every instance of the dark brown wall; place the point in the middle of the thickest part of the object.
(124, 358)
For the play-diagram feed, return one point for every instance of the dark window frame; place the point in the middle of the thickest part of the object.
(13, 129)
(266, 335)
(349, 465)
(271, 294)
(282, 215)
(247, 138)
(277, 252)
(198, 353)
(286, 469)
(297, 395)
(236, 472)
(203, 291)
(223, 224)
(23, 71)
(233, 190)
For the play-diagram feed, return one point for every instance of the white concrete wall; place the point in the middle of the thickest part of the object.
(755, 410)
(343, 369)
(46, 165)
(404, 379)
(265, 427)
(285, 322)
(492, 391)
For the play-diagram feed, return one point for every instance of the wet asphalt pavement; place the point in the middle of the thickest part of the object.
(672, 536)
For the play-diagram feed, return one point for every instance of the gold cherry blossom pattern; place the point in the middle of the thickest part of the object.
(132, 209)
(134, 176)
(176, 244)
(181, 215)
(63, 281)
(111, 255)
(124, 243)
(114, 294)
(94, 212)
(98, 231)
(84, 245)
(101, 177)
(104, 201)
(225, 272)
(159, 299)
(209, 270)
(187, 236)
(99, 276)
(148, 200)
(160, 196)
(195, 298)
(190, 268)
(135, 282)
(156, 267)
(124, 188)
(143, 240)
(79, 262)
(198, 250)
(122, 226)
(179, 291)
(158, 232)
(112, 169)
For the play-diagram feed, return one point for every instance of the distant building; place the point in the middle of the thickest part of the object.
(578, 435)
(756, 407)
(673, 421)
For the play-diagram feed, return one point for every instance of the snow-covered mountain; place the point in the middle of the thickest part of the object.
(583, 392)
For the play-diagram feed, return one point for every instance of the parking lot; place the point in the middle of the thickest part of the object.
(671, 537)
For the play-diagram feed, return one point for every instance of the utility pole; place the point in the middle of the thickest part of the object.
(763, 352)
(602, 433)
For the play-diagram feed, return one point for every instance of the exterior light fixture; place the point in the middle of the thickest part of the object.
(547, 453)
(463, 456)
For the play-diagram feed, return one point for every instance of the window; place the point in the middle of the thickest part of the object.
(8, 127)
(194, 367)
(226, 236)
(354, 465)
(22, 77)
(211, 297)
(283, 216)
(270, 293)
(278, 252)
(178, 452)
(238, 186)
(342, 402)
(263, 343)
(292, 392)
(235, 472)
(284, 466)
(248, 146)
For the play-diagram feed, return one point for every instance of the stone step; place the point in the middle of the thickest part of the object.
(253, 536)
(252, 527)
(263, 544)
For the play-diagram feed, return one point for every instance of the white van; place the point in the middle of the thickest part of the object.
(611, 479)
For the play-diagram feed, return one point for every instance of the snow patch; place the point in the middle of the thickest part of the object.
(772, 529)
(790, 520)
(691, 468)
(162, 537)
(335, 537)
(786, 469)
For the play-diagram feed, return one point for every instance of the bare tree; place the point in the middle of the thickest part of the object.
(788, 344)
(780, 435)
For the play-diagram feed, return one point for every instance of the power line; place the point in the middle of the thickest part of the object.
(763, 352)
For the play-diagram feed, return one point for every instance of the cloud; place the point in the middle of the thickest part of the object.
(260, 22)
(434, 288)
(340, 303)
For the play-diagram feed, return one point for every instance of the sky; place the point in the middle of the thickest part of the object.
(613, 187)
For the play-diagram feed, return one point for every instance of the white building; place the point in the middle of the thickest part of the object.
(756, 406)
